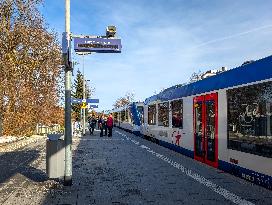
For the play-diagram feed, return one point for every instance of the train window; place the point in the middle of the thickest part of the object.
(152, 114)
(250, 119)
(115, 116)
(141, 113)
(177, 113)
(123, 114)
(163, 114)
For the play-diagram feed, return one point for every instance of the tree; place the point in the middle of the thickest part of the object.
(128, 98)
(77, 92)
(196, 76)
(30, 68)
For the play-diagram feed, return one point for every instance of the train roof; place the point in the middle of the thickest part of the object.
(126, 106)
(252, 72)
(120, 108)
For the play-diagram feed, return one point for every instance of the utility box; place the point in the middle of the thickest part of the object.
(55, 156)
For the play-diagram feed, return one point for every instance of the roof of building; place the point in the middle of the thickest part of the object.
(249, 73)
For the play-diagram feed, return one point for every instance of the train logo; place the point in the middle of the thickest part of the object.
(176, 136)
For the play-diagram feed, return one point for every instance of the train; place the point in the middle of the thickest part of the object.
(224, 121)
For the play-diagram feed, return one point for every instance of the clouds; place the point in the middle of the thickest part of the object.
(164, 42)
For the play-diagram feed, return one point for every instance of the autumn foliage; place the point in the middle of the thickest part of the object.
(30, 69)
(122, 101)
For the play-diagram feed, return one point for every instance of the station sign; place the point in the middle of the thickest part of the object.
(97, 45)
(92, 100)
(84, 105)
(92, 106)
(89, 106)
(78, 101)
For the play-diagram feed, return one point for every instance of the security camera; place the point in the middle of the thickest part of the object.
(111, 31)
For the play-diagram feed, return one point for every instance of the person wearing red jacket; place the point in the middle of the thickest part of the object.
(110, 125)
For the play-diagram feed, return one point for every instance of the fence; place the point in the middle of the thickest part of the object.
(43, 129)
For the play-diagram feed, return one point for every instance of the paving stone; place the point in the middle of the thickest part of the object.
(116, 171)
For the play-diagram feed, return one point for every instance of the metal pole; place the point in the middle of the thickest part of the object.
(84, 97)
(68, 127)
(1, 124)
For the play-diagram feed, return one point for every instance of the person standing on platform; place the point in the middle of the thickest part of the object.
(110, 125)
(105, 126)
(100, 125)
(76, 128)
(92, 125)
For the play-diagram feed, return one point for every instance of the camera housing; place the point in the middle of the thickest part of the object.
(111, 31)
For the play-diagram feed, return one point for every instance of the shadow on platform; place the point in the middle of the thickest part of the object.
(18, 162)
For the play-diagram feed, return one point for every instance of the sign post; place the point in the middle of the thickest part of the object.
(97, 44)
(66, 48)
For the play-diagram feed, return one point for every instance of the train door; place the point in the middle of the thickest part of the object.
(206, 129)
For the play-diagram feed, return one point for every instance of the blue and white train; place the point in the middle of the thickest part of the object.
(224, 121)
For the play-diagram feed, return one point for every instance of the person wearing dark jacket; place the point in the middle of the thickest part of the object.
(100, 125)
(105, 126)
(92, 124)
(110, 125)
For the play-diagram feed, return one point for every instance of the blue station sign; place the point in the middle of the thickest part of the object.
(75, 100)
(93, 106)
(97, 45)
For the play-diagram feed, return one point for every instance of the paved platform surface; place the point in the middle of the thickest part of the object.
(124, 169)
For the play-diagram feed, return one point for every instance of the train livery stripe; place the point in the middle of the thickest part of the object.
(178, 149)
(135, 114)
(247, 174)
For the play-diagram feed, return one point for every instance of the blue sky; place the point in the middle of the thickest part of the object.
(164, 41)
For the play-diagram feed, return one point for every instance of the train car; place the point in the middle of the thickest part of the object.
(122, 118)
(224, 121)
(129, 117)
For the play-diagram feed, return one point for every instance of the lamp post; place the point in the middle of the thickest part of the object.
(84, 95)
(66, 47)
(84, 92)
(66, 50)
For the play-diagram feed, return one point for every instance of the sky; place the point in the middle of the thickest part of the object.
(164, 41)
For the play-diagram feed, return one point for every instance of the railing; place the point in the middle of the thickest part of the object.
(43, 129)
